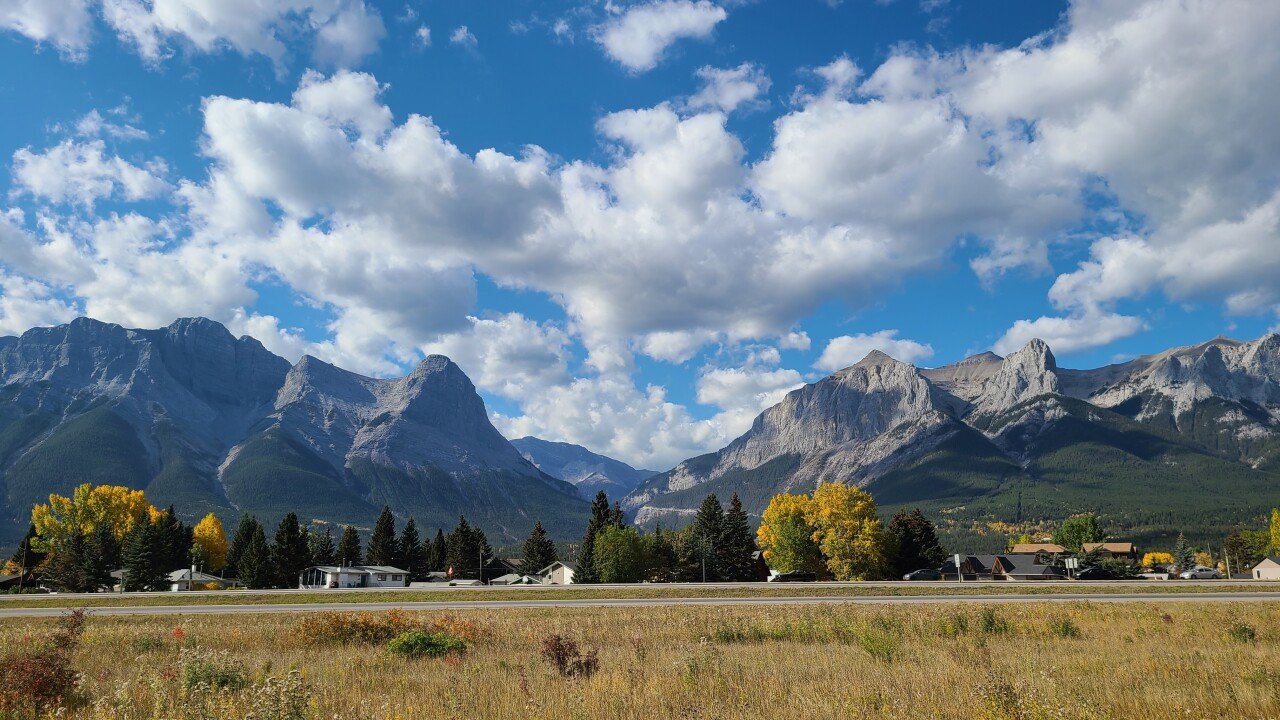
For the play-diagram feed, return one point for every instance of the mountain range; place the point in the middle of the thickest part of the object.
(589, 472)
(213, 423)
(1184, 440)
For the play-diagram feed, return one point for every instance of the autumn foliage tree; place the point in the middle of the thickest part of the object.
(209, 544)
(114, 506)
(836, 529)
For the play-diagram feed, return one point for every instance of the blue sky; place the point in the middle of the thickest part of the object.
(637, 223)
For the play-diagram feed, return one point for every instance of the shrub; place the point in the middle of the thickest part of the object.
(1064, 628)
(879, 644)
(989, 623)
(343, 628)
(954, 625)
(416, 644)
(564, 655)
(217, 670)
(36, 680)
(287, 698)
(1240, 632)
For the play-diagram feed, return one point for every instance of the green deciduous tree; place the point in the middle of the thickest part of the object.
(1078, 530)
(620, 555)
(1275, 531)
(539, 550)
(1246, 548)
(786, 536)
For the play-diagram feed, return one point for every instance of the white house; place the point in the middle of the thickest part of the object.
(558, 573)
(328, 577)
(180, 580)
(1268, 569)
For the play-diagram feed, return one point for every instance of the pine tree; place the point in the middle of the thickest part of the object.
(144, 558)
(256, 567)
(539, 551)
(27, 557)
(413, 555)
(913, 543)
(66, 567)
(349, 552)
(705, 534)
(290, 554)
(322, 548)
(601, 516)
(1183, 556)
(382, 544)
(439, 547)
(175, 540)
(467, 551)
(244, 532)
(737, 545)
(617, 518)
(103, 557)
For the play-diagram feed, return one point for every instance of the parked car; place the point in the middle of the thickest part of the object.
(1095, 572)
(1201, 572)
(796, 577)
(923, 574)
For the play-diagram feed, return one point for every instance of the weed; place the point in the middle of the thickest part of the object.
(38, 679)
(215, 670)
(989, 623)
(564, 655)
(1241, 632)
(418, 644)
(1064, 628)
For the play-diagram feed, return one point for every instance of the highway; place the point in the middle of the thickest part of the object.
(1117, 597)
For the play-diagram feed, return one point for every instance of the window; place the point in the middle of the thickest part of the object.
(397, 577)
(382, 577)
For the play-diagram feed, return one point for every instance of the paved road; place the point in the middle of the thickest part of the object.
(649, 602)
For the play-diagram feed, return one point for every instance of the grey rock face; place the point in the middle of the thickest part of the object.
(1027, 373)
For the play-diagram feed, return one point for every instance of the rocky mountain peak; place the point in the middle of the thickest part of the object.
(1025, 374)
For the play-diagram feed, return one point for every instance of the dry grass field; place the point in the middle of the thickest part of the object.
(586, 592)
(1079, 660)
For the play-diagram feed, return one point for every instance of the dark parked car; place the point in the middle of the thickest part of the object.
(923, 574)
(1095, 572)
(796, 577)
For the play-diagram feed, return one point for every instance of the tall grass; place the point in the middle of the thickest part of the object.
(847, 661)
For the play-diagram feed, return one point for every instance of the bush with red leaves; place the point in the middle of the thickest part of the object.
(39, 678)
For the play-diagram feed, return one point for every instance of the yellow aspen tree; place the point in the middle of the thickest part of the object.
(786, 537)
(209, 543)
(848, 532)
(119, 508)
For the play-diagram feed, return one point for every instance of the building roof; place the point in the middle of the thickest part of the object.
(197, 576)
(1111, 547)
(1273, 559)
(572, 567)
(360, 569)
(1025, 565)
(1051, 548)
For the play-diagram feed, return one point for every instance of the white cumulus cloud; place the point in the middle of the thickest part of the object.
(843, 351)
(639, 36)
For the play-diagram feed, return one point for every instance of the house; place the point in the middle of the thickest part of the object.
(515, 579)
(761, 567)
(1113, 550)
(352, 576)
(21, 580)
(558, 573)
(972, 567)
(1009, 566)
(1268, 569)
(181, 580)
(1038, 549)
(1014, 567)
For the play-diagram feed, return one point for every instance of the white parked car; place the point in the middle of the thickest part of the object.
(1201, 572)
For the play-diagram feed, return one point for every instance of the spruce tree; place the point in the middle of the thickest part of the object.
(322, 548)
(466, 550)
(439, 547)
(349, 552)
(26, 556)
(737, 545)
(103, 556)
(244, 531)
(175, 540)
(539, 551)
(1183, 556)
(289, 552)
(256, 567)
(913, 543)
(601, 516)
(382, 544)
(413, 553)
(66, 567)
(145, 557)
(705, 534)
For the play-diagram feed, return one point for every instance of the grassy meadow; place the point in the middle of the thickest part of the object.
(1014, 661)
